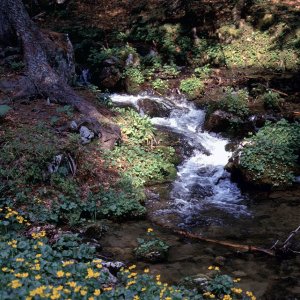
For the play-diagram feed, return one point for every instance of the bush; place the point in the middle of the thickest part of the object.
(137, 130)
(272, 100)
(160, 85)
(134, 75)
(192, 87)
(151, 248)
(235, 102)
(119, 205)
(271, 155)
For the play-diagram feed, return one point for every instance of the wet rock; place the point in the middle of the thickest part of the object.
(153, 109)
(239, 274)
(86, 135)
(199, 282)
(109, 77)
(220, 121)
(95, 230)
(200, 192)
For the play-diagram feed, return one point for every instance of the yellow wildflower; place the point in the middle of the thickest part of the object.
(60, 274)
(83, 292)
(146, 270)
(97, 292)
(132, 267)
(15, 284)
(38, 277)
(107, 289)
(210, 268)
(19, 259)
(150, 230)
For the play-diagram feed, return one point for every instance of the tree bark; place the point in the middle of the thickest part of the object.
(45, 74)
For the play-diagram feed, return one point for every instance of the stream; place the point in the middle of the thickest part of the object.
(204, 200)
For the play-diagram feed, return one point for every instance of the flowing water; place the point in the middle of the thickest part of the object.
(204, 199)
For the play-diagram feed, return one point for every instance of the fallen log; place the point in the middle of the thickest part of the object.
(240, 247)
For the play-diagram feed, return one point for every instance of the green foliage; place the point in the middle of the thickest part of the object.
(271, 155)
(137, 130)
(258, 49)
(32, 268)
(169, 71)
(4, 109)
(192, 87)
(203, 72)
(235, 102)
(143, 165)
(66, 109)
(160, 85)
(135, 75)
(272, 100)
(151, 248)
(119, 205)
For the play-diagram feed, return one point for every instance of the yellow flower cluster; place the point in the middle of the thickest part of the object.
(213, 268)
(237, 280)
(227, 297)
(10, 214)
(15, 284)
(92, 273)
(250, 294)
(209, 295)
(12, 243)
(38, 235)
(237, 291)
(21, 275)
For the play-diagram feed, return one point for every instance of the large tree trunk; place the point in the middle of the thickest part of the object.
(44, 74)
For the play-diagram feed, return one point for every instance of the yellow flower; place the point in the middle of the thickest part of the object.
(38, 255)
(71, 284)
(19, 259)
(21, 275)
(68, 274)
(146, 270)
(150, 230)
(60, 274)
(38, 277)
(227, 297)
(132, 267)
(107, 289)
(217, 269)
(144, 289)
(99, 266)
(16, 284)
(4, 269)
(83, 292)
(136, 297)
(97, 292)
(158, 282)
(97, 261)
(210, 268)
(67, 263)
(157, 277)
(91, 298)
(91, 273)
(237, 291)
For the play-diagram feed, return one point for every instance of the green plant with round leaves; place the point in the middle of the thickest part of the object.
(192, 87)
(270, 156)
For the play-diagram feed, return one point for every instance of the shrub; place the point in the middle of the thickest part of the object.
(134, 75)
(192, 87)
(160, 85)
(136, 129)
(271, 155)
(116, 204)
(235, 102)
(151, 248)
(272, 100)
(203, 72)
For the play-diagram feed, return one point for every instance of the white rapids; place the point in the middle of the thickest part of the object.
(202, 183)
